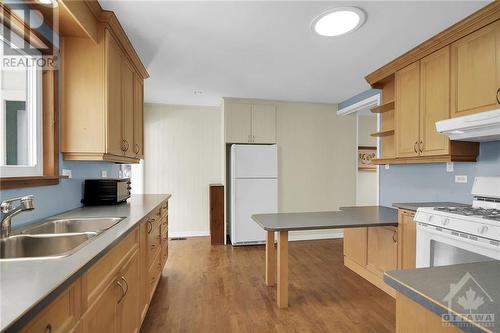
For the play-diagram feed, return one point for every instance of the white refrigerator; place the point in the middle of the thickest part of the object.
(254, 190)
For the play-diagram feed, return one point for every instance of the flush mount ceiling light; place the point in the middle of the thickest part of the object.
(338, 21)
(48, 3)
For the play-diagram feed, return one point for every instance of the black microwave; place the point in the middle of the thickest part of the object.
(106, 191)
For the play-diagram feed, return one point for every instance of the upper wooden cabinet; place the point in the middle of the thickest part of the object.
(102, 96)
(454, 73)
(434, 102)
(475, 71)
(422, 99)
(407, 110)
(138, 116)
(249, 122)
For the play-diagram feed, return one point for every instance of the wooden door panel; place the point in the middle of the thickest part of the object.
(130, 306)
(114, 94)
(138, 117)
(238, 122)
(383, 253)
(263, 123)
(128, 107)
(355, 245)
(475, 71)
(103, 315)
(407, 110)
(434, 101)
(408, 241)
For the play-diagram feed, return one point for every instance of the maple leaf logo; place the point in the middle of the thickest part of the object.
(470, 301)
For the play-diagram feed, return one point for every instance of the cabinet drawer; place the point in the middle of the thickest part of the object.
(59, 316)
(164, 209)
(154, 274)
(98, 275)
(154, 245)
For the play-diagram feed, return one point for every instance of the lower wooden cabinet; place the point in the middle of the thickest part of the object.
(355, 245)
(408, 237)
(370, 252)
(102, 316)
(382, 249)
(61, 315)
(114, 294)
(412, 317)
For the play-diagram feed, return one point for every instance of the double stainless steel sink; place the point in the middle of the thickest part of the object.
(54, 238)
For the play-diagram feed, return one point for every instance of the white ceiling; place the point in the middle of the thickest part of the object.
(263, 49)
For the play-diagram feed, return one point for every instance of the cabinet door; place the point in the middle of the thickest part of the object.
(475, 71)
(138, 117)
(434, 101)
(238, 122)
(407, 110)
(263, 123)
(128, 83)
(355, 245)
(129, 318)
(408, 240)
(383, 254)
(114, 94)
(103, 315)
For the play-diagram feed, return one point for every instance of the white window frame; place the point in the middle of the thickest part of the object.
(34, 107)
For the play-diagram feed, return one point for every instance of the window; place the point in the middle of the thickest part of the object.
(29, 130)
(21, 139)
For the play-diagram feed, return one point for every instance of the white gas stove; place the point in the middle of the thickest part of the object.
(453, 235)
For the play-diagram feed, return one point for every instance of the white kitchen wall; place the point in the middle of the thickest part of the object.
(317, 161)
(182, 157)
(367, 184)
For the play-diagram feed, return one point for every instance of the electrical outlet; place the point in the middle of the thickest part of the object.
(104, 173)
(449, 167)
(387, 166)
(66, 173)
(461, 179)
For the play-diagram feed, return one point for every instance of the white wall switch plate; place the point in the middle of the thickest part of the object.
(449, 167)
(66, 173)
(104, 173)
(461, 179)
(387, 166)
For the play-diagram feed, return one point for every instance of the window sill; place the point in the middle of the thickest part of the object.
(18, 182)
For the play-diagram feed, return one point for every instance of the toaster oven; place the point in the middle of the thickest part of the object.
(106, 191)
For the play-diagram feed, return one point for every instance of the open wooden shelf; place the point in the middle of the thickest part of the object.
(383, 133)
(389, 106)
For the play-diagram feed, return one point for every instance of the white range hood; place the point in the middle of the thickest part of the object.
(479, 127)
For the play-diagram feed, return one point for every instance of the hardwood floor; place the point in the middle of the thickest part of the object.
(208, 288)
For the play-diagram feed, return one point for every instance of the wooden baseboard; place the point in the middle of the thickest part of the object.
(370, 276)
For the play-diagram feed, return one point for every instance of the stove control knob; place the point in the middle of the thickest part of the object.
(483, 229)
(445, 221)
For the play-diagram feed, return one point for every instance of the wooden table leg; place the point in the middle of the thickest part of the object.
(282, 269)
(270, 259)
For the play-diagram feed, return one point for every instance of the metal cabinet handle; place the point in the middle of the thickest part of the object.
(395, 236)
(415, 147)
(253, 138)
(123, 291)
(150, 226)
(136, 148)
(498, 96)
(48, 328)
(125, 145)
(126, 285)
(421, 146)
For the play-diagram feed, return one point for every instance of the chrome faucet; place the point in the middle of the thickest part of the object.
(8, 212)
